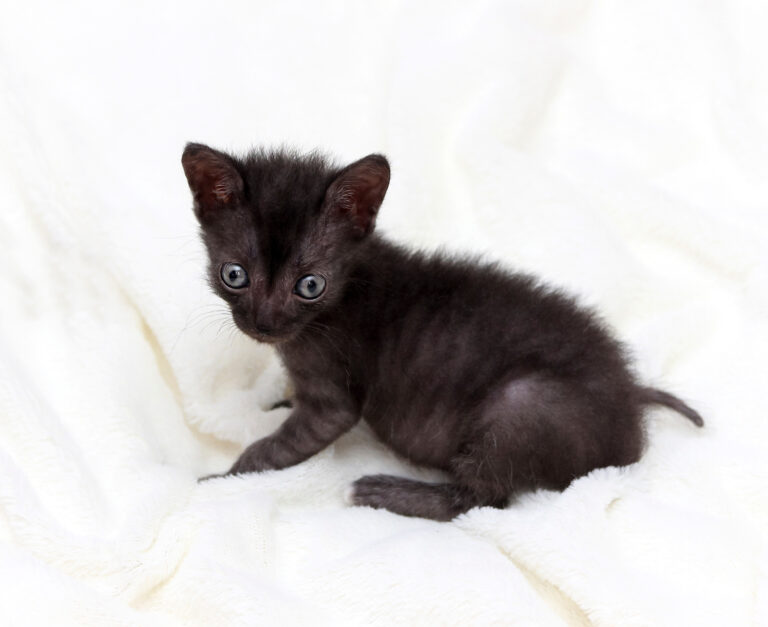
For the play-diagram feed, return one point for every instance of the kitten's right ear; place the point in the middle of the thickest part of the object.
(213, 179)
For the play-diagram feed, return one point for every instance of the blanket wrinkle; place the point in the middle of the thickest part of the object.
(565, 606)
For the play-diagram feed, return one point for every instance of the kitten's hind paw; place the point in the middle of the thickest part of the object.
(407, 497)
(371, 491)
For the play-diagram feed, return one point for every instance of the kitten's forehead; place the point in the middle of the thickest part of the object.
(285, 192)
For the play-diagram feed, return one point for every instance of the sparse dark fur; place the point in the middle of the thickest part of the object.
(505, 384)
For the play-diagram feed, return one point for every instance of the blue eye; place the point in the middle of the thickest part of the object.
(310, 287)
(234, 275)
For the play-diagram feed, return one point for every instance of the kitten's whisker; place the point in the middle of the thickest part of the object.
(210, 314)
(195, 317)
(326, 332)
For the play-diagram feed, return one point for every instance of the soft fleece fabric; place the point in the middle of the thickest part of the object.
(616, 149)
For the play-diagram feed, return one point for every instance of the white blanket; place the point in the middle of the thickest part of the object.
(617, 149)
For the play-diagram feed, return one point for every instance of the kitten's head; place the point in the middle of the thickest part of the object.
(281, 229)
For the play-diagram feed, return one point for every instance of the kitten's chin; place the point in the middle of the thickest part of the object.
(271, 338)
(268, 339)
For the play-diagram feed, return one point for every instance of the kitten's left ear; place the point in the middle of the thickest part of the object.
(213, 179)
(358, 191)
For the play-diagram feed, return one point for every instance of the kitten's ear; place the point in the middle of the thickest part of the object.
(358, 191)
(213, 179)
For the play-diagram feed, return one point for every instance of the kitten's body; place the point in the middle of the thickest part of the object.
(456, 364)
(425, 365)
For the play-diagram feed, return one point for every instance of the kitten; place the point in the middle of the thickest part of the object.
(503, 383)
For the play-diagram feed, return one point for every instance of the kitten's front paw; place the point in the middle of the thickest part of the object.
(254, 459)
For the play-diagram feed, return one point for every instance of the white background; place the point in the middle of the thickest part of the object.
(617, 149)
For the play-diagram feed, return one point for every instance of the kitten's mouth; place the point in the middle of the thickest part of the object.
(271, 337)
(265, 338)
(261, 334)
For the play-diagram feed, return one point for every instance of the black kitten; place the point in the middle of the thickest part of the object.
(505, 384)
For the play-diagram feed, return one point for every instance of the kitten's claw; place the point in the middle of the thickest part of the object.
(214, 476)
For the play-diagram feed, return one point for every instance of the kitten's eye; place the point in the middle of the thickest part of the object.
(310, 287)
(234, 275)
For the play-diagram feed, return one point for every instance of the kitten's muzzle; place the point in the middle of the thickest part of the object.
(266, 334)
(269, 335)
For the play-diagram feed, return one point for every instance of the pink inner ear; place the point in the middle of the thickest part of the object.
(212, 178)
(359, 191)
(223, 190)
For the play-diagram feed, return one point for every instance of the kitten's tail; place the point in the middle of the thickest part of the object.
(652, 396)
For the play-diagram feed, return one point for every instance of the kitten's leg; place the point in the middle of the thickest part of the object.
(539, 432)
(478, 483)
(308, 430)
(531, 432)
(408, 497)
